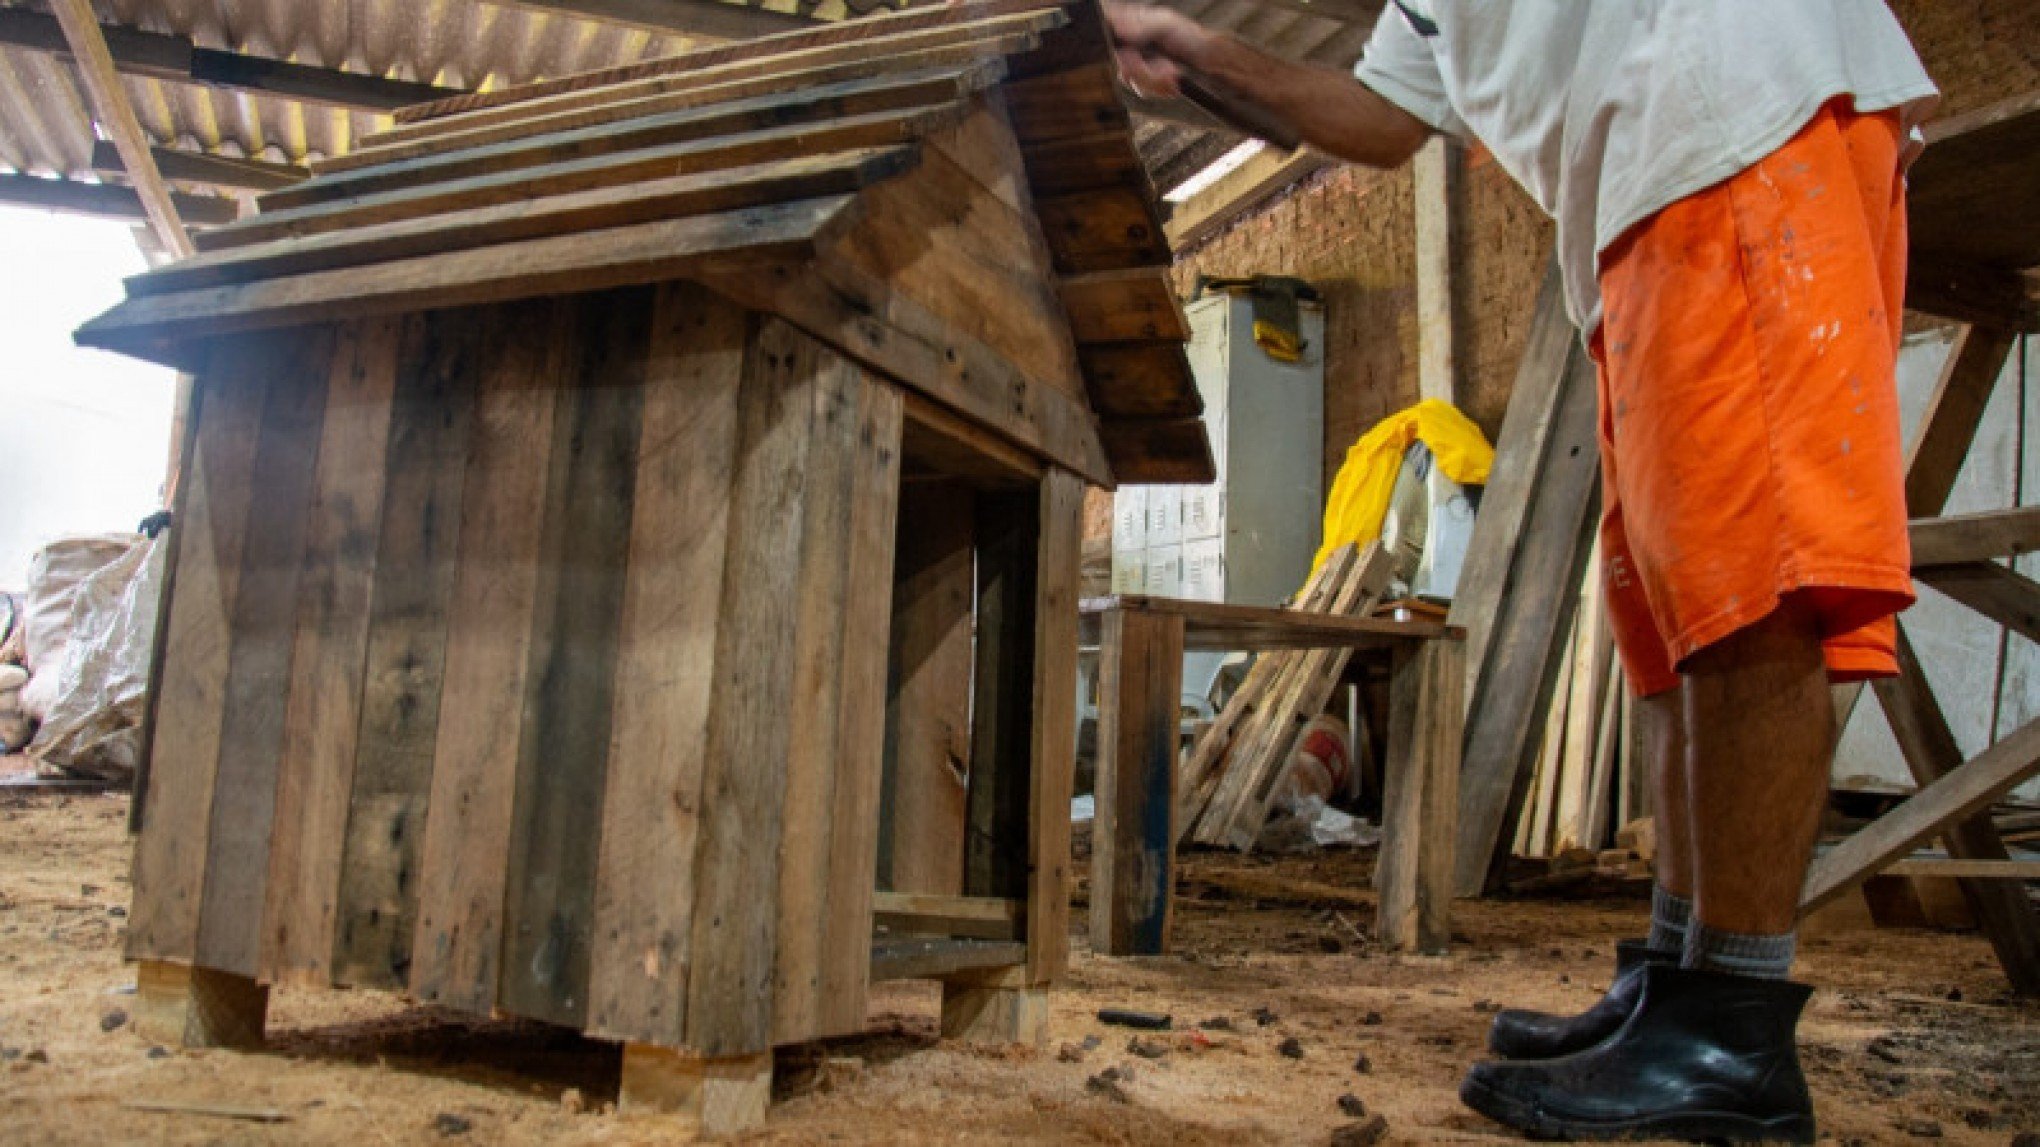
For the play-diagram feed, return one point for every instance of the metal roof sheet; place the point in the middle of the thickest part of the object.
(45, 128)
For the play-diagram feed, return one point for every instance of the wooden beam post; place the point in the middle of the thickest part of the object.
(1436, 172)
(1267, 174)
(1421, 805)
(1140, 679)
(117, 116)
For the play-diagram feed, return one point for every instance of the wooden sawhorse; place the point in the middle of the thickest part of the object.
(1141, 645)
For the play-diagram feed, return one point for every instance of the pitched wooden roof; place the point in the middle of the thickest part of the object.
(837, 154)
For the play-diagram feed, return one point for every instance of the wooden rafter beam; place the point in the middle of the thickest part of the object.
(160, 56)
(117, 116)
(1926, 814)
(1972, 293)
(1980, 537)
(1256, 181)
(709, 19)
(197, 167)
(106, 201)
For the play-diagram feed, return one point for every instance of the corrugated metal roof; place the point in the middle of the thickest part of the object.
(45, 129)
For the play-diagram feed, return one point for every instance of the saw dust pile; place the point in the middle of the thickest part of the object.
(1288, 1025)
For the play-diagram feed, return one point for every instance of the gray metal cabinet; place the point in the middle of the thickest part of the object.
(1247, 538)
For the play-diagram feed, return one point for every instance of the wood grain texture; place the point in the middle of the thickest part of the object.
(762, 47)
(1979, 537)
(946, 239)
(464, 857)
(1421, 803)
(332, 241)
(426, 465)
(815, 711)
(809, 105)
(928, 704)
(947, 47)
(329, 657)
(157, 327)
(569, 699)
(1053, 728)
(1199, 775)
(1553, 501)
(1140, 682)
(1133, 305)
(402, 200)
(853, 857)
(730, 983)
(861, 316)
(1941, 443)
(666, 668)
(263, 628)
(1008, 527)
(170, 857)
(177, 1005)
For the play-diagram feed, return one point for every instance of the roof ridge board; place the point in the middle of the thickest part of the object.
(763, 46)
(588, 209)
(953, 55)
(806, 61)
(909, 90)
(153, 326)
(715, 153)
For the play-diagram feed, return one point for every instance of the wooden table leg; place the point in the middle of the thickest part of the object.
(181, 1006)
(1140, 681)
(1421, 804)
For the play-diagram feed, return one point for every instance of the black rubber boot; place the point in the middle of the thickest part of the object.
(1705, 1057)
(1519, 1034)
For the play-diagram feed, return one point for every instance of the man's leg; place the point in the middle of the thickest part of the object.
(1661, 719)
(1706, 1051)
(1760, 736)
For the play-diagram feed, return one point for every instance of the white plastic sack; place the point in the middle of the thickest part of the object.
(94, 724)
(54, 576)
(13, 718)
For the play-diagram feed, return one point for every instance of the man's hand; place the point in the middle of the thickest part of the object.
(1155, 45)
(1326, 107)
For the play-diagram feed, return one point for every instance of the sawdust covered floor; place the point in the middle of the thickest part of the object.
(1910, 1029)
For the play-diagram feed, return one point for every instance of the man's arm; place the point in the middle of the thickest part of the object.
(1334, 112)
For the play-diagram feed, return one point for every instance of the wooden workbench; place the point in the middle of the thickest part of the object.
(1141, 641)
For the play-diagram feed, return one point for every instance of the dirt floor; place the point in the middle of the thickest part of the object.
(1911, 1036)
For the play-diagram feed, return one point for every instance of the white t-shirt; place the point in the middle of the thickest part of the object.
(1608, 111)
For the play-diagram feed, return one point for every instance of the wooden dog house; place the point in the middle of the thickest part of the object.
(625, 565)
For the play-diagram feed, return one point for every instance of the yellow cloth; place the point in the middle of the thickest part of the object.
(1360, 493)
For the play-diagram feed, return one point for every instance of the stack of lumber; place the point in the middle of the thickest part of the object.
(741, 167)
(1230, 780)
(1588, 779)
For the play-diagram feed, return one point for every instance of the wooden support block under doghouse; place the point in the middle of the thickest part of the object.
(532, 647)
(177, 1004)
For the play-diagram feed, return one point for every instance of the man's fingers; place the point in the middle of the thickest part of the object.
(1149, 75)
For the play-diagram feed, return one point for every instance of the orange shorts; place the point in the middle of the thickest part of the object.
(1749, 411)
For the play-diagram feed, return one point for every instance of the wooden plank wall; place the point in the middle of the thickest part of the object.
(483, 656)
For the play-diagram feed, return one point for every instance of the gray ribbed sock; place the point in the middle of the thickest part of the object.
(1739, 953)
(1669, 915)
